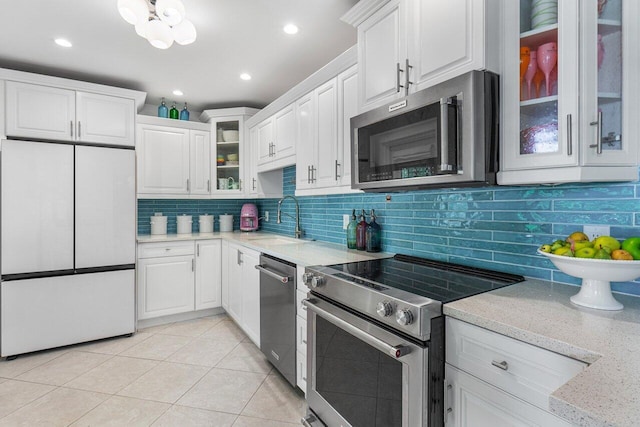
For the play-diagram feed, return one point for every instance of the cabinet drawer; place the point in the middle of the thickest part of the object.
(301, 335)
(301, 371)
(162, 249)
(524, 370)
(301, 310)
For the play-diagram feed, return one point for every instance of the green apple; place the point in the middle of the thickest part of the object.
(632, 245)
(602, 254)
(557, 244)
(585, 252)
(604, 242)
(563, 251)
(576, 246)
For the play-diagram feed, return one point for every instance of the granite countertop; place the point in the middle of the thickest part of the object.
(298, 251)
(607, 392)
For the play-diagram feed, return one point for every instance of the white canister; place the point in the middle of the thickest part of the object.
(184, 224)
(206, 223)
(158, 224)
(226, 222)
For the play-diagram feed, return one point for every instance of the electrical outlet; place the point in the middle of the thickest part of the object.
(345, 221)
(593, 231)
(266, 216)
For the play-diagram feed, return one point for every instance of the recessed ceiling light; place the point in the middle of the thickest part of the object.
(63, 42)
(290, 29)
(245, 76)
(178, 92)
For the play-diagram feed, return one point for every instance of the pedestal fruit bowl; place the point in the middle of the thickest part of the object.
(596, 275)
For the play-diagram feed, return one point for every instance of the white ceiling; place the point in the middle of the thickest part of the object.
(234, 36)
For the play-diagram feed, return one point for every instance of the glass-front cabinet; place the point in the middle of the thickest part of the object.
(570, 71)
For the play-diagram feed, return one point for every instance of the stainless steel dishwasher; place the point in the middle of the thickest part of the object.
(278, 314)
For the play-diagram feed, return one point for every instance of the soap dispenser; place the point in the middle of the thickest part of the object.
(163, 111)
(351, 231)
(361, 233)
(374, 234)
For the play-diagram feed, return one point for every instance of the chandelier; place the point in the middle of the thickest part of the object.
(161, 22)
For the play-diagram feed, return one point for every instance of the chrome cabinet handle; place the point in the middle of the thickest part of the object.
(239, 258)
(71, 128)
(253, 184)
(309, 174)
(313, 174)
(309, 419)
(79, 129)
(262, 269)
(598, 124)
(188, 185)
(239, 184)
(198, 249)
(500, 365)
(569, 136)
(193, 262)
(337, 165)
(398, 71)
(208, 185)
(396, 351)
(406, 77)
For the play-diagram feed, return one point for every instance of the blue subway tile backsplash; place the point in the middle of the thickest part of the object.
(491, 227)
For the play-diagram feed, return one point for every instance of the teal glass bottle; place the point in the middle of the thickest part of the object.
(184, 114)
(374, 234)
(351, 231)
(163, 111)
(174, 113)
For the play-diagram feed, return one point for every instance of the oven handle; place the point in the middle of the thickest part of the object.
(396, 351)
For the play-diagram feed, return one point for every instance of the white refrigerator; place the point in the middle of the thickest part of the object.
(67, 244)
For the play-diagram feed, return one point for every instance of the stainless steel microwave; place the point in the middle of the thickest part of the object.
(442, 136)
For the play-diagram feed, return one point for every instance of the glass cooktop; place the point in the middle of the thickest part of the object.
(440, 281)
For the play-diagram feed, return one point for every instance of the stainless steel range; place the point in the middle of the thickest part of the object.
(375, 339)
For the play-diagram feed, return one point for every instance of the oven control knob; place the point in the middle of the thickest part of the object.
(306, 278)
(404, 317)
(317, 281)
(384, 309)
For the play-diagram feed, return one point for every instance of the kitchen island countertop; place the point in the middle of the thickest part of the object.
(607, 392)
(302, 252)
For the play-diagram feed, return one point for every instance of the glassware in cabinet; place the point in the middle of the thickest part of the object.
(228, 155)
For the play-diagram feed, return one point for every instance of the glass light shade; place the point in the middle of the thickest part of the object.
(133, 11)
(170, 11)
(159, 34)
(141, 28)
(184, 32)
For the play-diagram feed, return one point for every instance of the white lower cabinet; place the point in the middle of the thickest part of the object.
(241, 287)
(173, 277)
(301, 333)
(494, 380)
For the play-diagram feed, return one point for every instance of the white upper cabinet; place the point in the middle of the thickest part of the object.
(276, 140)
(305, 156)
(408, 45)
(326, 152)
(199, 162)
(573, 80)
(50, 113)
(347, 108)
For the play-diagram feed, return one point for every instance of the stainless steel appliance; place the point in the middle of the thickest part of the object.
(375, 339)
(68, 228)
(443, 136)
(278, 314)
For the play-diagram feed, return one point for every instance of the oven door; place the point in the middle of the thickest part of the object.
(408, 147)
(360, 374)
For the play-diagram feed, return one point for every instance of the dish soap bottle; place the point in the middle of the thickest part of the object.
(374, 234)
(351, 231)
(163, 111)
(173, 113)
(361, 233)
(184, 114)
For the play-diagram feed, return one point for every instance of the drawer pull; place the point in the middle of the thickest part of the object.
(502, 365)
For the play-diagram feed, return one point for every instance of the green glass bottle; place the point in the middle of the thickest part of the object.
(174, 113)
(351, 231)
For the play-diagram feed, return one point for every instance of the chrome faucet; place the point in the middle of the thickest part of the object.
(298, 231)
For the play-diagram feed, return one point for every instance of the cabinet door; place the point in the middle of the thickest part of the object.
(41, 112)
(165, 286)
(306, 142)
(163, 160)
(208, 274)
(347, 108)
(265, 141)
(235, 283)
(251, 177)
(199, 162)
(105, 119)
(382, 53)
(284, 123)
(460, 51)
(470, 402)
(545, 133)
(224, 261)
(326, 173)
(609, 61)
(251, 295)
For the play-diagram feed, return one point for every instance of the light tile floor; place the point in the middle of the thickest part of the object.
(203, 372)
